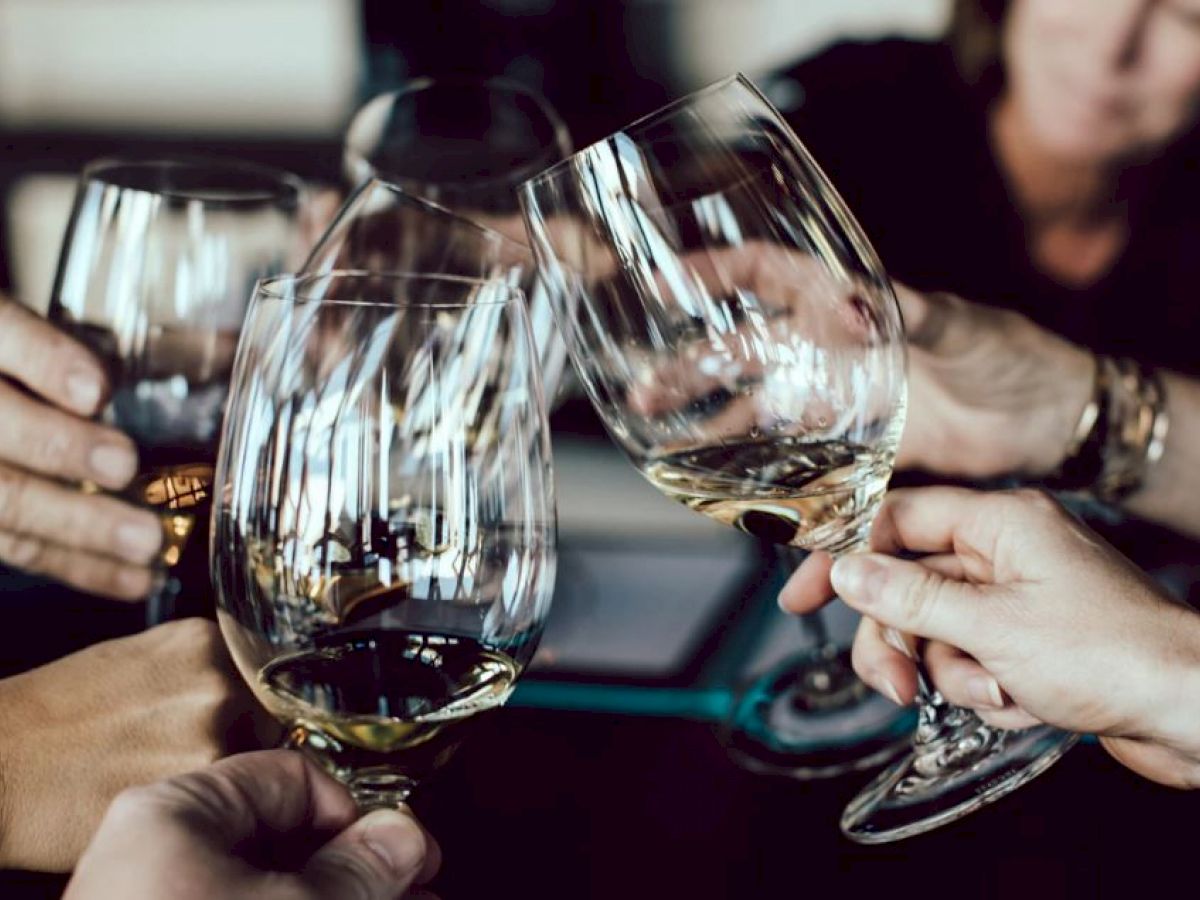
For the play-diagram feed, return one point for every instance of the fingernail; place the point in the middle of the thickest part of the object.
(133, 582)
(113, 464)
(889, 691)
(140, 539)
(985, 691)
(84, 391)
(855, 576)
(395, 839)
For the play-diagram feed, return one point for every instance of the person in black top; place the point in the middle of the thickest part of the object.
(1042, 159)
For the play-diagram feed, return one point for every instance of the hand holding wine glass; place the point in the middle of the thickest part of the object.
(50, 385)
(1031, 618)
(762, 385)
(267, 826)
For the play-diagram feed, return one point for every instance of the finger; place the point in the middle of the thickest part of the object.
(808, 589)
(881, 665)
(951, 520)
(378, 856)
(69, 518)
(48, 362)
(236, 798)
(962, 680)
(84, 571)
(1154, 761)
(913, 598)
(433, 857)
(943, 324)
(46, 440)
(1011, 718)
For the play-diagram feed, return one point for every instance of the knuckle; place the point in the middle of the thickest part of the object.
(130, 804)
(55, 446)
(1035, 501)
(13, 486)
(23, 552)
(915, 597)
(118, 580)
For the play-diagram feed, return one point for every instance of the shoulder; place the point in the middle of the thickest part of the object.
(877, 73)
(857, 101)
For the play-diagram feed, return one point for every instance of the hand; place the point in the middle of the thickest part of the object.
(990, 393)
(1031, 618)
(268, 826)
(47, 525)
(76, 732)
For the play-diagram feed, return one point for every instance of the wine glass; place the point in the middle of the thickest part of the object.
(673, 251)
(157, 266)
(383, 228)
(383, 536)
(741, 341)
(466, 143)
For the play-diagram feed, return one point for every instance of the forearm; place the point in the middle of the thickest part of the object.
(1178, 718)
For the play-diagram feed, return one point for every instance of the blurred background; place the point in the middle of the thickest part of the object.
(277, 80)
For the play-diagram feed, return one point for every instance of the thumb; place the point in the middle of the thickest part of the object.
(909, 597)
(376, 858)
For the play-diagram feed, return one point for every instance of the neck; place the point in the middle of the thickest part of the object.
(1049, 189)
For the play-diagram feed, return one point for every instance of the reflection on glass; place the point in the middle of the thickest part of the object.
(381, 228)
(157, 266)
(384, 533)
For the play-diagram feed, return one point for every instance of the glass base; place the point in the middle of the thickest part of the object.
(913, 797)
(811, 718)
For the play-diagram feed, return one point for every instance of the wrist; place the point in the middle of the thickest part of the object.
(1066, 412)
(1177, 722)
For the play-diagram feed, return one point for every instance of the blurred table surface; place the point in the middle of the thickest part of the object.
(575, 805)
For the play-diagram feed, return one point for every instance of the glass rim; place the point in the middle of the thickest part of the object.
(559, 146)
(440, 209)
(274, 184)
(664, 112)
(269, 287)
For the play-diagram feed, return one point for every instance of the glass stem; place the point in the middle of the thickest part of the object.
(812, 625)
(161, 602)
(948, 739)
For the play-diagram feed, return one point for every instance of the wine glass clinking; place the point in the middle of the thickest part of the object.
(156, 268)
(383, 228)
(435, 166)
(741, 341)
(383, 535)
